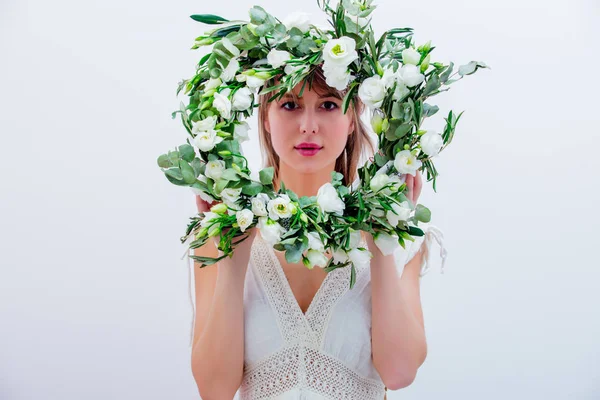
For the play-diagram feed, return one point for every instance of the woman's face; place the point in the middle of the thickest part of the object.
(314, 121)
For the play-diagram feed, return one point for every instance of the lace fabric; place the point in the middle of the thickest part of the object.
(323, 354)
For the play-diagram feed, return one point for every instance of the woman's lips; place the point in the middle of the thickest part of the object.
(308, 151)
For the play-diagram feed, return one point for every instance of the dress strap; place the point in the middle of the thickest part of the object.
(191, 288)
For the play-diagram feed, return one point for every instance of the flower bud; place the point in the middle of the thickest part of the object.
(202, 232)
(292, 207)
(303, 217)
(214, 230)
(377, 123)
(224, 153)
(220, 208)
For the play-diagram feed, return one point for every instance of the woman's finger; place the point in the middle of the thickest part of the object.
(409, 184)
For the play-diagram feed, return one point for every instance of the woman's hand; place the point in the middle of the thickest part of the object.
(414, 185)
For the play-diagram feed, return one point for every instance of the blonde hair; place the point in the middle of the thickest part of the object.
(347, 162)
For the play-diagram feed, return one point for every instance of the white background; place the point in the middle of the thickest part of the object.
(94, 301)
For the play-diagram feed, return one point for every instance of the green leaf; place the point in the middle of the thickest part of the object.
(446, 74)
(257, 15)
(429, 110)
(432, 84)
(349, 96)
(252, 188)
(187, 172)
(164, 162)
(398, 133)
(187, 152)
(230, 174)
(197, 165)
(220, 185)
(266, 175)
(352, 276)
(293, 253)
(209, 19)
(422, 213)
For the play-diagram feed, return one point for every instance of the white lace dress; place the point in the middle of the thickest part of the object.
(323, 354)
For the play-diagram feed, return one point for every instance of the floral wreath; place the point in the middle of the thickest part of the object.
(390, 76)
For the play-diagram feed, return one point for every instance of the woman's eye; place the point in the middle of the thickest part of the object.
(331, 103)
(287, 102)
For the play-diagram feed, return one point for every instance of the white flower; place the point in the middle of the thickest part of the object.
(340, 52)
(229, 72)
(431, 143)
(240, 131)
(230, 196)
(360, 258)
(212, 83)
(396, 181)
(316, 258)
(214, 169)
(406, 163)
(297, 19)
(329, 201)
(372, 91)
(278, 57)
(378, 181)
(244, 218)
(314, 242)
(222, 103)
(259, 205)
(411, 75)
(270, 230)
(411, 56)
(230, 46)
(403, 213)
(339, 256)
(242, 99)
(279, 207)
(205, 124)
(254, 82)
(337, 77)
(386, 243)
(207, 140)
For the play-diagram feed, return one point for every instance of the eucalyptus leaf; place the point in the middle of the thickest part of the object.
(422, 213)
(187, 172)
(187, 152)
(266, 175)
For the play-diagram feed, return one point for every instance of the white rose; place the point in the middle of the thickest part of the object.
(259, 205)
(254, 82)
(240, 131)
(205, 124)
(230, 196)
(360, 258)
(214, 169)
(337, 77)
(402, 213)
(378, 181)
(329, 201)
(279, 207)
(406, 163)
(340, 52)
(411, 75)
(229, 72)
(411, 56)
(242, 99)
(207, 140)
(297, 19)
(314, 242)
(222, 103)
(278, 57)
(316, 258)
(372, 91)
(212, 83)
(431, 143)
(339, 256)
(386, 243)
(244, 218)
(230, 46)
(270, 230)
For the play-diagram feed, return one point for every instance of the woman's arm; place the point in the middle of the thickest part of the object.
(218, 351)
(398, 332)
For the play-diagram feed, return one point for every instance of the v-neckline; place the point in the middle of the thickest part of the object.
(288, 288)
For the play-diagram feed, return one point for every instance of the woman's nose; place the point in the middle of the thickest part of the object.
(309, 123)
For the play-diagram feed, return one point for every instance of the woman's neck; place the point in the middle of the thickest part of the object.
(301, 183)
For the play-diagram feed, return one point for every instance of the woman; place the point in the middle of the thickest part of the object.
(278, 330)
